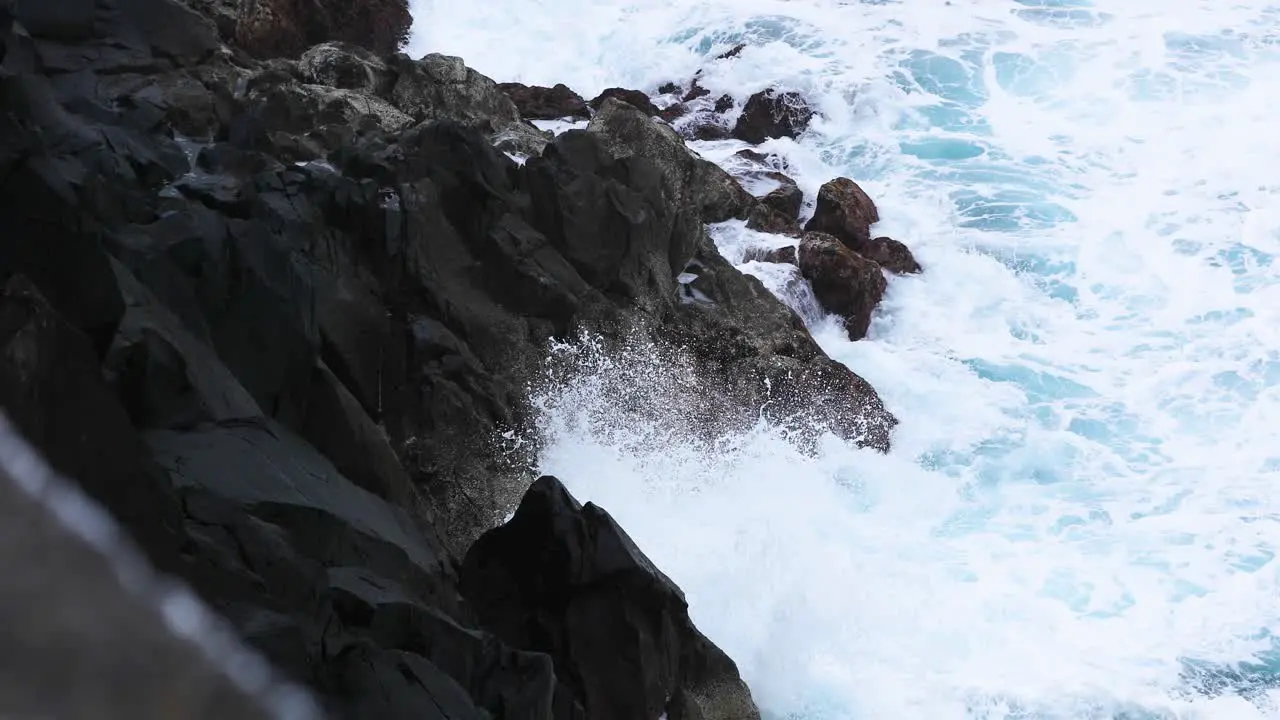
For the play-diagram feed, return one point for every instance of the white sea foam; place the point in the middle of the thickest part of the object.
(1079, 516)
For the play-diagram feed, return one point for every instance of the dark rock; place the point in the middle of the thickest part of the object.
(565, 579)
(711, 131)
(765, 218)
(787, 198)
(733, 52)
(845, 282)
(51, 388)
(705, 185)
(284, 28)
(634, 98)
(757, 157)
(673, 112)
(891, 255)
(397, 685)
(695, 91)
(724, 103)
(772, 114)
(542, 103)
(344, 66)
(845, 211)
(668, 88)
(77, 639)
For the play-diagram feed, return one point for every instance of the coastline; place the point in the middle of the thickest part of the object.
(293, 304)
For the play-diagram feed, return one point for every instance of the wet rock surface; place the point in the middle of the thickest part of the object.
(773, 114)
(279, 317)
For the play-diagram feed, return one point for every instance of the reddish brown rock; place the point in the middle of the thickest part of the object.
(773, 114)
(892, 256)
(546, 103)
(766, 219)
(844, 282)
(845, 211)
(284, 28)
(634, 98)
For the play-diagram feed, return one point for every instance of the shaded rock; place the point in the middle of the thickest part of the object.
(52, 390)
(786, 199)
(767, 219)
(284, 28)
(166, 376)
(710, 131)
(668, 88)
(565, 579)
(397, 685)
(77, 639)
(703, 184)
(542, 103)
(503, 681)
(755, 156)
(337, 426)
(344, 66)
(891, 255)
(724, 103)
(772, 114)
(845, 282)
(845, 211)
(634, 98)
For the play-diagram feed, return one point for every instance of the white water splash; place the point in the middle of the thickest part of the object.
(1079, 517)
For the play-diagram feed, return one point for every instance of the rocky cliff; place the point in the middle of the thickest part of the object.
(276, 313)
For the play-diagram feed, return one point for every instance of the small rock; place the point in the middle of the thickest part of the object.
(711, 131)
(892, 256)
(733, 53)
(773, 114)
(756, 156)
(543, 103)
(787, 198)
(674, 112)
(668, 88)
(844, 282)
(845, 211)
(567, 580)
(724, 103)
(695, 91)
(634, 98)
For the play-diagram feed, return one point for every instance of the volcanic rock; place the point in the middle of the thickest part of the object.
(845, 211)
(565, 579)
(634, 98)
(542, 103)
(845, 282)
(773, 114)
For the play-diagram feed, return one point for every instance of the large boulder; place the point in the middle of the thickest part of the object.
(565, 579)
(344, 66)
(845, 282)
(773, 114)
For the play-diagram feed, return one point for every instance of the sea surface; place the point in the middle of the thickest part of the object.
(1081, 512)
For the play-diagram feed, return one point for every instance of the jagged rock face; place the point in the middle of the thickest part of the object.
(845, 282)
(567, 580)
(284, 348)
(773, 114)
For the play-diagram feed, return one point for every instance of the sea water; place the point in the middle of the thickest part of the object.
(1081, 512)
